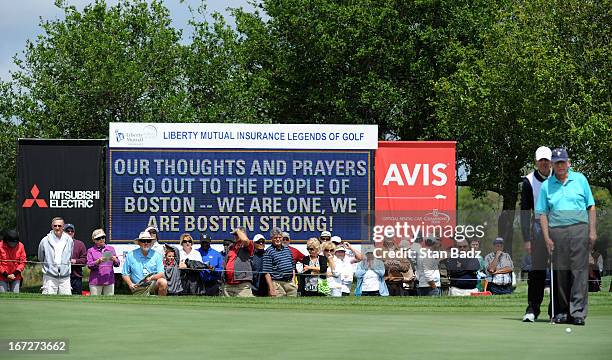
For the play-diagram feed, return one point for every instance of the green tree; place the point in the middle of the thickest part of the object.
(223, 83)
(8, 194)
(103, 64)
(327, 61)
(518, 92)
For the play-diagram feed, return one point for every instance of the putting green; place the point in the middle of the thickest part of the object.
(126, 327)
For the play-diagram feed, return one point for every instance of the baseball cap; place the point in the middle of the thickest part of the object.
(98, 233)
(325, 234)
(498, 240)
(336, 239)
(543, 152)
(11, 236)
(258, 237)
(286, 235)
(340, 247)
(151, 228)
(69, 226)
(204, 238)
(559, 154)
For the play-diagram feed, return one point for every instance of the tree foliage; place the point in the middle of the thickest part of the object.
(103, 64)
(539, 79)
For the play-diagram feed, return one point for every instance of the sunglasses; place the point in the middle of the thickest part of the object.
(152, 232)
(260, 242)
(58, 226)
(329, 250)
(310, 249)
(147, 241)
(187, 241)
(286, 239)
(101, 237)
(69, 231)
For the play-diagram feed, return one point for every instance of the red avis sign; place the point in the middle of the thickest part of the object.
(415, 175)
(415, 188)
(34, 200)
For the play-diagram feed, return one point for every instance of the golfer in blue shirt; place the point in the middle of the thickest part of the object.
(567, 213)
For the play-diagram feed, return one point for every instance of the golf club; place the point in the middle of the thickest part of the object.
(552, 291)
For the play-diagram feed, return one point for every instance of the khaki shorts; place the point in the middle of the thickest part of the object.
(285, 288)
(146, 291)
(239, 290)
(102, 289)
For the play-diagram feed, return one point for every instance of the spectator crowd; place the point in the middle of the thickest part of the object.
(255, 267)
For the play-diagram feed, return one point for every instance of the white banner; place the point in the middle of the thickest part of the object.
(242, 136)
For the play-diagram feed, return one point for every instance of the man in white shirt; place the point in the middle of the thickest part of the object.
(55, 252)
(428, 271)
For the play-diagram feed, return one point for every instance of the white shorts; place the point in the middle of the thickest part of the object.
(56, 286)
(453, 291)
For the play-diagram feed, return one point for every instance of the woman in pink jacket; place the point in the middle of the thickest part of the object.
(101, 259)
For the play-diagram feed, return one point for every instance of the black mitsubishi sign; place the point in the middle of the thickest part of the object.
(59, 178)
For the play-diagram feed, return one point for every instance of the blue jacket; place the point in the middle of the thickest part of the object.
(259, 285)
(212, 257)
(378, 268)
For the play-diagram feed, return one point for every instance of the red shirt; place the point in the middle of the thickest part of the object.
(231, 259)
(296, 255)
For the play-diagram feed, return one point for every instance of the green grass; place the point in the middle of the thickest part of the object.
(302, 328)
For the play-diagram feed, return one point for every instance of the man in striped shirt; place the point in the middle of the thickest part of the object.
(278, 267)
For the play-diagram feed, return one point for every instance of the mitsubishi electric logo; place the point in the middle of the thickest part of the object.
(63, 199)
(29, 202)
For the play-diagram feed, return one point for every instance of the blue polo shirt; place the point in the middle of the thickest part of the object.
(565, 204)
(278, 263)
(137, 266)
(213, 258)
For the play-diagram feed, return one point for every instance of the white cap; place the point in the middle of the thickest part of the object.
(543, 153)
(258, 237)
(336, 239)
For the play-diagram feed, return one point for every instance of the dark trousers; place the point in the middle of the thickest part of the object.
(537, 275)
(77, 285)
(500, 289)
(428, 291)
(396, 288)
(211, 288)
(570, 265)
(370, 293)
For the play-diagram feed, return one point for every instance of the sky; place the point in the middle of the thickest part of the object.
(20, 19)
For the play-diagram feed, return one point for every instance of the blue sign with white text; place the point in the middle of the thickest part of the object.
(213, 191)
